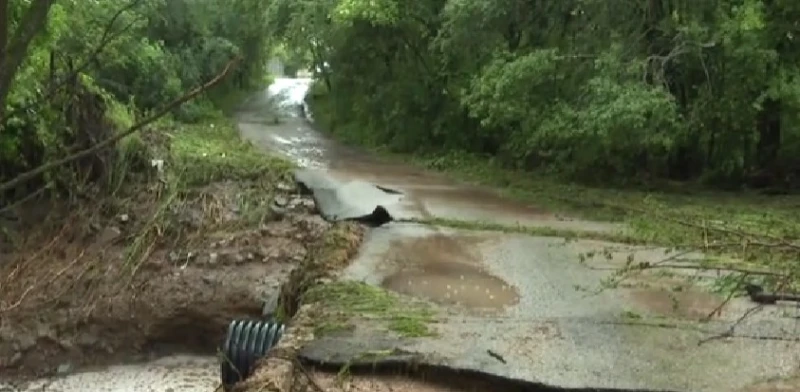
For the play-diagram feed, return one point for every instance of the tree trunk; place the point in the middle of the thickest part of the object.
(769, 131)
(16, 48)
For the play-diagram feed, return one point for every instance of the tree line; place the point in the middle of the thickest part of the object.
(76, 73)
(594, 90)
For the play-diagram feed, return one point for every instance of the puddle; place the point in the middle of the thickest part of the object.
(446, 270)
(454, 284)
(356, 165)
(692, 304)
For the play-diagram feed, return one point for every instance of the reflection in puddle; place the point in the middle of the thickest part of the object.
(454, 284)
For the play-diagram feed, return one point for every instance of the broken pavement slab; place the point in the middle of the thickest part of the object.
(555, 334)
(353, 200)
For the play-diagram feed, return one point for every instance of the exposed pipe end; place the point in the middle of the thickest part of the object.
(246, 342)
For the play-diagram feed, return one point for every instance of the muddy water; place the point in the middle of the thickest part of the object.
(447, 270)
(691, 304)
(454, 284)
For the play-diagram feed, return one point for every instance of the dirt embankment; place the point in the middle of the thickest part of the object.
(113, 282)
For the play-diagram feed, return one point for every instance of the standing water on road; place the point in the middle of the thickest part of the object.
(518, 297)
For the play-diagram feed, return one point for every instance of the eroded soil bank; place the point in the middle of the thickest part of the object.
(165, 272)
(75, 302)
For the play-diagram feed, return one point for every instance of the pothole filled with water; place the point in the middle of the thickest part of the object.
(453, 283)
(447, 270)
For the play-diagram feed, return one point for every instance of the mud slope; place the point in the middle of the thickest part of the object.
(139, 301)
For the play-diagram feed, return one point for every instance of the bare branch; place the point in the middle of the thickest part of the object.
(22, 201)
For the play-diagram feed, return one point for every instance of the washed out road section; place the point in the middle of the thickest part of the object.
(527, 306)
(529, 321)
(427, 195)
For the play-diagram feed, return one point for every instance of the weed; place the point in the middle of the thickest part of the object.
(750, 235)
(197, 157)
(342, 301)
(202, 154)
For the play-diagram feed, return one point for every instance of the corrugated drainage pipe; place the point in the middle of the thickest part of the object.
(247, 341)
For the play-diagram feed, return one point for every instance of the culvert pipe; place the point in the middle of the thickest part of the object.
(246, 342)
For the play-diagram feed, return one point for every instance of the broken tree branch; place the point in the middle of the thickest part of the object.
(136, 127)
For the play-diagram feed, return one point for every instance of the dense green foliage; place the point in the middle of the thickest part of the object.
(93, 68)
(591, 89)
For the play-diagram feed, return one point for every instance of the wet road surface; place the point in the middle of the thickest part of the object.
(523, 297)
(428, 194)
(178, 373)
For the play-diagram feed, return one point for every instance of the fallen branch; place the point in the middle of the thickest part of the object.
(729, 333)
(24, 200)
(776, 242)
(700, 267)
(136, 127)
(718, 309)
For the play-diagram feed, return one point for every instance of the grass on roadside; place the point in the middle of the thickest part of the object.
(195, 159)
(343, 301)
(742, 228)
(755, 236)
(202, 154)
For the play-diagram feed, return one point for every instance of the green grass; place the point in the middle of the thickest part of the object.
(741, 231)
(194, 157)
(213, 151)
(345, 301)
(755, 229)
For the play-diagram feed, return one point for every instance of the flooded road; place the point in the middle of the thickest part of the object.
(428, 194)
(532, 301)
